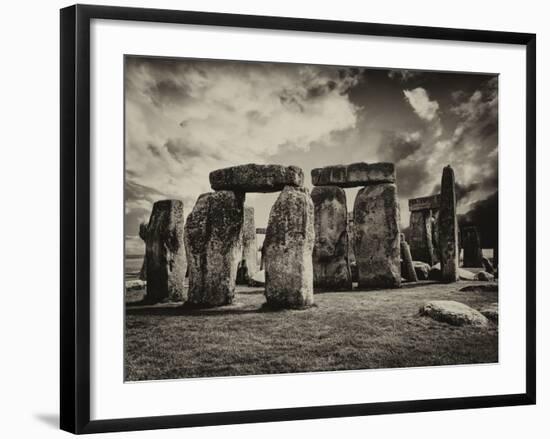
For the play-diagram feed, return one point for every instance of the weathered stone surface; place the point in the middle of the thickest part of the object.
(143, 236)
(484, 276)
(407, 268)
(330, 252)
(377, 237)
(213, 241)
(351, 240)
(256, 178)
(435, 236)
(420, 236)
(353, 175)
(448, 227)
(491, 312)
(424, 203)
(288, 250)
(250, 244)
(454, 313)
(422, 270)
(472, 247)
(165, 252)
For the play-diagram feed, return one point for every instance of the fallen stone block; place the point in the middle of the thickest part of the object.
(484, 276)
(454, 313)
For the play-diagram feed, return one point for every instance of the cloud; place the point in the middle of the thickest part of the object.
(402, 75)
(422, 105)
(397, 146)
(484, 215)
(185, 118)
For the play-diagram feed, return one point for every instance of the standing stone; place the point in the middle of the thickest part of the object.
(377, 240)
(143, 236)
(472, 247)
(213, 241)
(435, 237)
(351, 251)
(448, 227)
(165, 252)
(288, 249)
(420, 226)
(250, 245)
(330, 252)
(407, 267)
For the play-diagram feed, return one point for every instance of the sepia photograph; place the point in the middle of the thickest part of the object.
(296, 218)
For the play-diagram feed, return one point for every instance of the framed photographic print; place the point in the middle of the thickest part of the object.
(268, 218)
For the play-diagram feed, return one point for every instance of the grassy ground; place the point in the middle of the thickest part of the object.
(348, 330)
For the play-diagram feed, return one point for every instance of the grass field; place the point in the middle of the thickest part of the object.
(348, 330)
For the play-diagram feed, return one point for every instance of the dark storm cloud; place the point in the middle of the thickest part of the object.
(411, 175)
(484, 215)
(403, 75)
(397, 146)
(478, 115)
(464, 190)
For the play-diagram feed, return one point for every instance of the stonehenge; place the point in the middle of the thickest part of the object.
(376, 239)
(220, 234)
(164, 252)
(422, 228)
(288, 250)
(311, 239)
(331, 269)
(434, 234)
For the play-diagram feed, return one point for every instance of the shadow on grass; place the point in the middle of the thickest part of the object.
(144, 308)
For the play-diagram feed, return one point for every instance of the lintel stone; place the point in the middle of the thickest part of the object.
(353, 175)
(256, 178)
(424, 203)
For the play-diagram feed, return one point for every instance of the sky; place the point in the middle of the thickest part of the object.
(187, 117)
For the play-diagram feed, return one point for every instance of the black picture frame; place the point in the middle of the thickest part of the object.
(75, 217)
